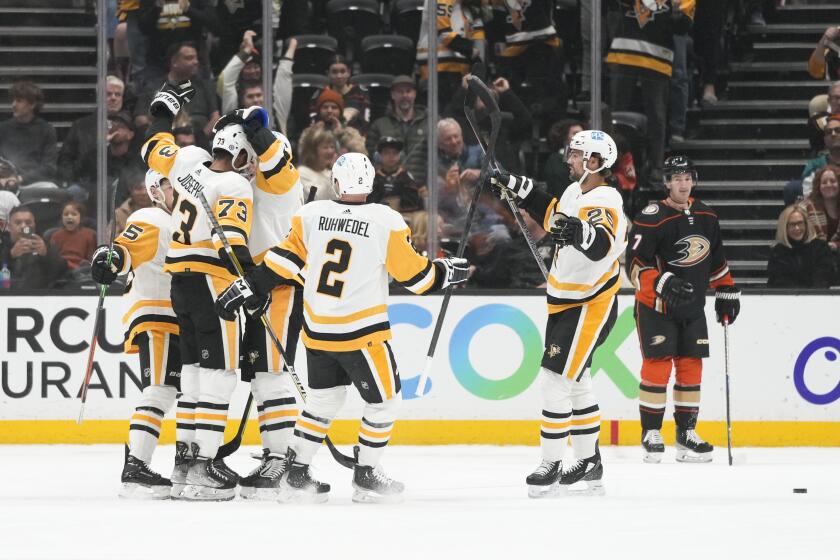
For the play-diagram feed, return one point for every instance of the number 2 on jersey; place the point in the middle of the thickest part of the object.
(335, 288)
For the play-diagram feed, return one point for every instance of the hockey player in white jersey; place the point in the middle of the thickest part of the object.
(151, 330)
(589, 227)
(200, 270)
(348, 247)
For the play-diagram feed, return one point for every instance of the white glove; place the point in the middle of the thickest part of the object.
(457, 270)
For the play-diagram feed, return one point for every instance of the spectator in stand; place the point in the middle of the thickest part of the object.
(460, 40)
(27, 140)
(356, 100)
(318, 150)
(799, 259)
(32, 263)
(282, 89)
(824, 63)
(516, 120)
(641, 54)
(708, 28)
(243, 67)
(167, 23)
(555, 172)
(796, 189)
(329, 108)
(237, 18)
(452, 151)
(419, 224)
(74, 242)
(128, 11)
(10, 179)
(405, 121)
(820, 108)
(823, 206)
(187, 136)
(133, 180)
(183, 65)
(393, 185)
(8, 200)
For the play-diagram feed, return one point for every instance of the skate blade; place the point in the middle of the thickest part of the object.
(553, 490)
(653, 457)
(195, 493)
(586, 488)
(259, 494)
(135, 491)
(291, 496)
(367, 497)
(687, 457)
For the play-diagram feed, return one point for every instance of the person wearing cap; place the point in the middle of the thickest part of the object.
(393, 184)
(405, 121)
(27, 140)
(329, 109)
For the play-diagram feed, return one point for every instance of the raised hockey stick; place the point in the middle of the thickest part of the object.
(483, 92)
(230, 447)
(342, 459)
(103, 289)
(726, 372)
(489, 159)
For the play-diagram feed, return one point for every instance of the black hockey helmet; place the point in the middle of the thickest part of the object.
(678, 164)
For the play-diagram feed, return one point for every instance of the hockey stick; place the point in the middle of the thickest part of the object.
(481, 90)
(103, 289)
(342, 459)
(489, 159)
(230, 447)
(726, 370)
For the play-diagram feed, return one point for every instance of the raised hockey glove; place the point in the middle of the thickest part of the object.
(673, 290)
(456, 270)
(568, 230)
(520, 186)
(727, 303)
(252, 119)
(239, 294)
(100, 270)
(170, 98)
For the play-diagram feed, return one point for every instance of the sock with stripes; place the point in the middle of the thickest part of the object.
(144, 429)
(652, 400)
(586, 417)
(211, 411)
(185, 410)
(556, 415)
(314, 421)
(375, 430)
(277, 410)
(686, 405)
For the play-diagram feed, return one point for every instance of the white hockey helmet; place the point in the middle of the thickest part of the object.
(154, 188)
(594, 142)
(232, 139)
(353, 173)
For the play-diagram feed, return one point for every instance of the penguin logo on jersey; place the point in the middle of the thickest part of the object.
(693, 249)
(645, 10)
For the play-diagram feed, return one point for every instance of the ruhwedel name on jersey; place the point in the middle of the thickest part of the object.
(190, 184)
(347, 225)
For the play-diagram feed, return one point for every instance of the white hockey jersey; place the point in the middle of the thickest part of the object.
(194, 247)
(574, 278)
(349, 250)
(145, 241)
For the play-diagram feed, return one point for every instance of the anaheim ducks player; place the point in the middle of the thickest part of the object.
(675, 251)
(151, 331)
(278, 194)
(587, 223)
(200, 270)
(349, 247)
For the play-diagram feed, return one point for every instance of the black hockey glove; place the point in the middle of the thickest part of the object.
(673, 290)
(456, 270)
(727, 304)
(170, 98)
(568, 230)
(100, 270)
(239, 294)
(252, 120)
(520, 186)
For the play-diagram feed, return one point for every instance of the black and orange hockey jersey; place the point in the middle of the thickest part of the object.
(457, 29)
(528, 22)
(686, 243)
(645, 38)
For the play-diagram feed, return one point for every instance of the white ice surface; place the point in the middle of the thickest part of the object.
(462, 502)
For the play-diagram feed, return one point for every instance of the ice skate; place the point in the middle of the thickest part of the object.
(139, 482)
(691, 448)
(653, 445)
(544, 481)
(589, 471)
(179, 471)
(264, 482)
(372, 485)
(298, 486)
(209, 480)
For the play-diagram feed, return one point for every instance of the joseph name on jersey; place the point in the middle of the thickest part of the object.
(574, 277)
(145, 241)
(349, 249)
(194, 246)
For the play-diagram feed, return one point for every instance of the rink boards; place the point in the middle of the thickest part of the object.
(784, 367)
